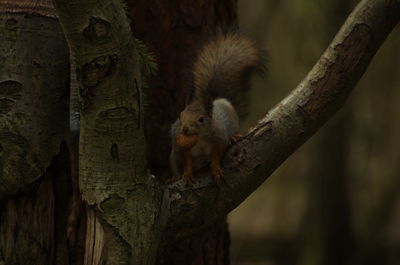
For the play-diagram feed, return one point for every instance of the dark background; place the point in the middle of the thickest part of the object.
(337, 199)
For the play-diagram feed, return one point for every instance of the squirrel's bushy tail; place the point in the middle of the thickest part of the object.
(223, 67)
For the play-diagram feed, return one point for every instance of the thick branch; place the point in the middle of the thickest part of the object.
(295, 119)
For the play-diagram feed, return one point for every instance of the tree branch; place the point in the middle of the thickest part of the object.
(296, 118)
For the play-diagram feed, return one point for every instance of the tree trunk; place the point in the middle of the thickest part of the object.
(34, 178)
(173, 30)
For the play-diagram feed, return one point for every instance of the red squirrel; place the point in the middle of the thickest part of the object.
(210, 121)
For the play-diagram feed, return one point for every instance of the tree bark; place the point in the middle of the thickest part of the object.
(124, 200)
(34, 121)
(32, 226)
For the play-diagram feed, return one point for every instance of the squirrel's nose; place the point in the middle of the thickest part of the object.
(185, 130)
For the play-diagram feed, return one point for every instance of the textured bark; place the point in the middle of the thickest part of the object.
(34, 121)
(26, 228)
(33, 96)
(123, 221)
(324, 90)
(32, 225)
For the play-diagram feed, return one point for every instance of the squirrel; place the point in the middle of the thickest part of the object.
(210, 122)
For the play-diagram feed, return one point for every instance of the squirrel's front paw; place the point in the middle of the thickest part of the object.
(188, 177)
(216, 172)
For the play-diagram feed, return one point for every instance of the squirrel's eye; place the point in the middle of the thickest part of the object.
(201, 119)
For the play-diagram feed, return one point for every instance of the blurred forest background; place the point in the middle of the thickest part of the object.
(337, 199)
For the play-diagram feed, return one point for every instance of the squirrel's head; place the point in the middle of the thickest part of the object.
(194, 120)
